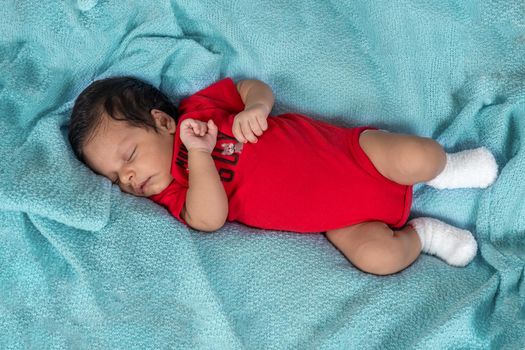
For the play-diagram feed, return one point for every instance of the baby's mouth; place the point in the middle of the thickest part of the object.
(142, 186)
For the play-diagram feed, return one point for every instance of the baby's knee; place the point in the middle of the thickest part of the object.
(378, 258)
(435, 155)
(423, 158)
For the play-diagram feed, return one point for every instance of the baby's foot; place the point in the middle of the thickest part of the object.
(455, 246)
(474, 168)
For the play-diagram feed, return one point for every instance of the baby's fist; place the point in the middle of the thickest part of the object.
(250, 122)
(196, 134)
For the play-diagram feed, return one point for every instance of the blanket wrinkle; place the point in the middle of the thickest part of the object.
(45, 228)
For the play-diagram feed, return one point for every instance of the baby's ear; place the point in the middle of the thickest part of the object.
(163, 120)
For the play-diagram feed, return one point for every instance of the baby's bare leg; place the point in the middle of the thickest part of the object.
(405, 159)
(374, 248)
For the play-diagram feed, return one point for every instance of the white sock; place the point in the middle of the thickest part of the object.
(455, 246)
(467, 169)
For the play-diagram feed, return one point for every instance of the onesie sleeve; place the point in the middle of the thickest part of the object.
(222, 94)
(173, 199)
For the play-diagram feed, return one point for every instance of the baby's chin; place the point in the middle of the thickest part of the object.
(156, 188)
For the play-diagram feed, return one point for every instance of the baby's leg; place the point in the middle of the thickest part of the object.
(408, 159)
(405, 159)
(374, 248)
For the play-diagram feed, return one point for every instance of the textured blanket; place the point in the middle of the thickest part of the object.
(85, 266)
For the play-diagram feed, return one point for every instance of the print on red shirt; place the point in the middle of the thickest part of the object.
(228, 154)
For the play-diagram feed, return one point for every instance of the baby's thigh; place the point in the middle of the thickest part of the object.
(350, 240)
(405, 159)
(371, 247)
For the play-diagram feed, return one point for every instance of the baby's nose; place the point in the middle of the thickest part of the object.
(128, 178)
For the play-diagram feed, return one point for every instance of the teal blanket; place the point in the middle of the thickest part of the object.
(84, 266)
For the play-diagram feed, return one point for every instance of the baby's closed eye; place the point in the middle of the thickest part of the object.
(116, 181)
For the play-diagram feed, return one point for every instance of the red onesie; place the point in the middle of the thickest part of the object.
(303, 175)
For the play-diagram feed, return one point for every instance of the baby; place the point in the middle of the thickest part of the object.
(220, 157)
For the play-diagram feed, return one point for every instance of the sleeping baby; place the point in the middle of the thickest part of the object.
(221, 157)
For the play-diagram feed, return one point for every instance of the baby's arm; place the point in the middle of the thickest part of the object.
(206, 207)
(256, 93)
(258, 102)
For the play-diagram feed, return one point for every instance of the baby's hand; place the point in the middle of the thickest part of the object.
(196, 134)
(251, 120)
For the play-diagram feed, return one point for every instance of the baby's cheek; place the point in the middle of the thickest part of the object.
(158, 183)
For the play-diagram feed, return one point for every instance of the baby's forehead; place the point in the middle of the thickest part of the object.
(106, 141)
(109, 128)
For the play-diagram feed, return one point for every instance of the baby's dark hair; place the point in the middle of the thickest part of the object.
(121, 98)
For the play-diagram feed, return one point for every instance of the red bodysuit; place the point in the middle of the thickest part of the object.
(303, 175)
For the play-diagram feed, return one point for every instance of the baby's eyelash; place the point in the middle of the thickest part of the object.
(116, 181)
(132, 153)
(131, 156)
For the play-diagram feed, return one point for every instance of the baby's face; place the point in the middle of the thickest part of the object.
(138, 160)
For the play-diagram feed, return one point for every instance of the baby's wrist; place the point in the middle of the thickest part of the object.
(263, 106)
(199, 149)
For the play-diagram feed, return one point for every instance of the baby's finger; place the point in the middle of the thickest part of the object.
(203, 128)
(212, 128)
(254, 126)
(186, 124)
(188, 127)
(262, 122)
(247, 132)
(211, 124)
(199, 131)
(194, 126)
(200, 128)
(236, 130)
